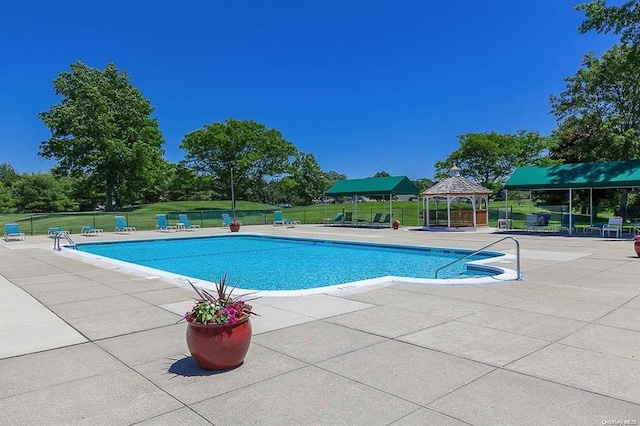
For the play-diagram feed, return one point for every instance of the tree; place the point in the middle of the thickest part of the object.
(7, 200)
(309, 183)
(332, 177)
(253, 151)
(102, 130)
(624, 19)
(599, 112)
(381, 174)
(43, 192)
(489, 158)
(8, 175)
(183, 183)
(423, 183)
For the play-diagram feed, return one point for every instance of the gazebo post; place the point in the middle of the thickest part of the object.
(473, 204)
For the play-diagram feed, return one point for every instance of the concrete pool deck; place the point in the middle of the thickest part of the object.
(83, 342)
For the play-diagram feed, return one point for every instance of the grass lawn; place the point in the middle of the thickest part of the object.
(208, 214)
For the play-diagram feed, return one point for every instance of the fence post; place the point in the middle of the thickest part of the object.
(31, 223)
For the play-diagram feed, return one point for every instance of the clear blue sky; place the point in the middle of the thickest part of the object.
(364, 85)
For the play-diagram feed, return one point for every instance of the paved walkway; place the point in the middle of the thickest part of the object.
(88, 343)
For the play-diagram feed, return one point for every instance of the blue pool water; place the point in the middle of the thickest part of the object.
(276, 263)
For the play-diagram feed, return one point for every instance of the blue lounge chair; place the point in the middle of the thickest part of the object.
(162, 223)
(226, 220)
(12, 230)
(185, 222)
(336, 220)
(377, 219)
(279, 220)
(53, 231)
(386, 221)
(121, 225)
(348, 218)
(565, 223)
(90, 230)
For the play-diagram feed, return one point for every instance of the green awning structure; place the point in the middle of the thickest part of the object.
(392, 185)
(615, 174)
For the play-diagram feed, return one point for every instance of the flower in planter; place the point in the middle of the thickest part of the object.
(636, 237)
(218, 309)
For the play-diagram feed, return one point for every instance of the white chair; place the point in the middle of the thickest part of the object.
(614, 224)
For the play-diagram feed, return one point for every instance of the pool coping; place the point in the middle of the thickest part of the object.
(502, 274)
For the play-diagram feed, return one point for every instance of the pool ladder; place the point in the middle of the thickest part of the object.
(484, 248)
(56, 240)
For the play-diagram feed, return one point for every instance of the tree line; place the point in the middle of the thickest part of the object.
(108, 147)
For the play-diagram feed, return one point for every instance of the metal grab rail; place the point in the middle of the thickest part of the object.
(56, 240)
(483, 248)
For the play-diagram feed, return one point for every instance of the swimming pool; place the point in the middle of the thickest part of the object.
(269, 263)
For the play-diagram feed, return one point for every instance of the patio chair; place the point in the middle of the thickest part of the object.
(279, 220)
(121, 225)
(55, 230)
(386, 221)
(162, 223)
(226, 220)
(566, 224)
(532, 222)
(88, 230)
(614, 224)
(187, 225)
(12, 230)
(376, 219)
(336, 220)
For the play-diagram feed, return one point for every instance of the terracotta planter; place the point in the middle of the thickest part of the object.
(219, 347)
(636, 246)
(235, 227)
(395, 224)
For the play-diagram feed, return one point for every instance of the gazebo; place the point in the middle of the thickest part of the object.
(454, 188)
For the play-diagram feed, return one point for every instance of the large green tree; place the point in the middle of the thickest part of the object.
(308, 179)
(250, 148)
(103, 131)
(489, 158)
(623, 20)
(599, 111)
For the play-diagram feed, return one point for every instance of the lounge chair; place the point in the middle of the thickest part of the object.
(594, 227)
(162, 223)
(565, 223)
(185, 222)
(348, 218)
(385, 222)
(376, 219)
(226, 220)
(90, 230)
(279, 220)
(614, 224)
(533, 222)
(53, 231)
(121, 225)
(12, 230)
(336, 220)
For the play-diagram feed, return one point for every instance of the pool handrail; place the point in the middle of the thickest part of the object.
(483, 248)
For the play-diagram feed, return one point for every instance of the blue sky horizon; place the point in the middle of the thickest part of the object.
(365, 86)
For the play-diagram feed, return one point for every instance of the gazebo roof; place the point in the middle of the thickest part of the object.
(456, 185)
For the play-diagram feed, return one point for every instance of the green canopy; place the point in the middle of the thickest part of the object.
(394, 185)
(615, 174)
